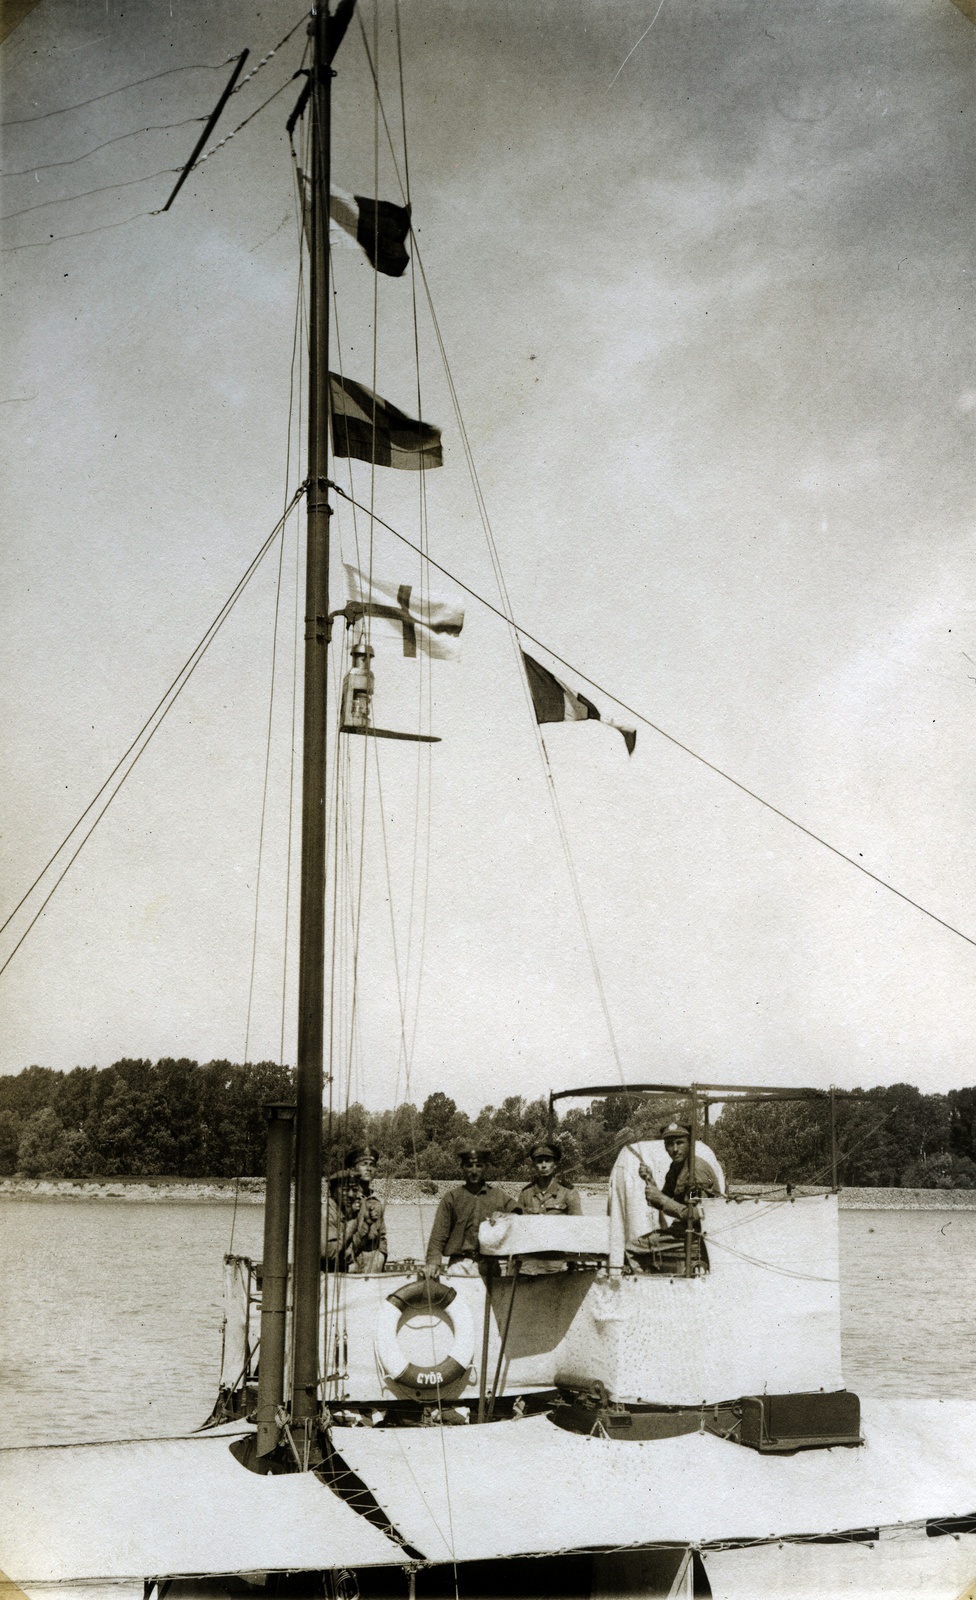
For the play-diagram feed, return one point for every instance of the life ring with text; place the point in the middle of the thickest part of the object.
(432, 1297)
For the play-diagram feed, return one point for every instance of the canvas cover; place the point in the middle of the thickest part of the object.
(773, 1276)
(172, 1507)
(511, 1235)
(907, 1567)
(528, 1488)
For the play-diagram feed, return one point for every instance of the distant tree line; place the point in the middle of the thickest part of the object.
(139, 1119)
(174, 1118)
(895, 1137)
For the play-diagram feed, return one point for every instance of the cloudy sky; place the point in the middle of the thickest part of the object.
(706, 294)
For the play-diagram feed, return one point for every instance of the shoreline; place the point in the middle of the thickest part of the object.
(404, 1191)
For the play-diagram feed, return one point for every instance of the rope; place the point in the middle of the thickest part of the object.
(297, 348)
(265, 59)
(264, 796)
(230, 1251)
(655, 728)
(234, 131)
(154, 127)
(507, 611)
(670, 737)
(82, 233)
(274, 663)
(153, 723)
(105, 188)
(768, 1266)
(20, 122)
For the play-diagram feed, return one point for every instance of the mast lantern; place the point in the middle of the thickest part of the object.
(357, 690)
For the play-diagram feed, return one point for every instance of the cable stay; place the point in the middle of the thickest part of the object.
(140, 743)
(168, 72)
(655, 727)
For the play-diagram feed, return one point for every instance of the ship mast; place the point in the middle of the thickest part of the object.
(311, 972)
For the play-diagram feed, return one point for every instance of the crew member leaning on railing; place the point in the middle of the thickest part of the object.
(460, 1213)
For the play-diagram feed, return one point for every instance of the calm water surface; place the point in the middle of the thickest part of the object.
(111, 1312)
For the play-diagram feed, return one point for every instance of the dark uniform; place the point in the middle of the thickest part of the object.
(677, 1182)
(653, 1251)
(457, 1219)
(361, 1248)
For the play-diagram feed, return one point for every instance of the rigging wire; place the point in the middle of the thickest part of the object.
(655, 727)
(274, 655)
(768, 1266)
(153, 723)
(296, 355)
(360, 873)
(670, 737)
(234, 131)
(264, 791)
(424, 754)
(72, 161)
(82, 233)
(86, 194)
(199, 66)
(507, 610)
(265, 59)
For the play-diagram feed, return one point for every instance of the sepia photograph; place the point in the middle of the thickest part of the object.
(487, 881)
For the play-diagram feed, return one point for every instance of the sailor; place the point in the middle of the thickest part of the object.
(460, 1213)
(673, 1199)
(546, 1194)
(362, 1162)
(354, 1230)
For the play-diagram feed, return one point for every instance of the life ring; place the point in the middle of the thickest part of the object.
(433, 1297)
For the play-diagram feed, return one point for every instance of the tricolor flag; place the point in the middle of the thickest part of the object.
(371, 429)
(430, 624)
(378, 225)
(554, 702)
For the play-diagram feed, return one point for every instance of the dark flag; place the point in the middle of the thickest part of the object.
(371, 429)
(554, 702)
(378, 225)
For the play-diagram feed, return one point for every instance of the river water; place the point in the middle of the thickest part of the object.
(111, 1311)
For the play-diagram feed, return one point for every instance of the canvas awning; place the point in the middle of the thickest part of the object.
(904, 1568)
(170, 1507)
(527, 1487)
(511, 1235)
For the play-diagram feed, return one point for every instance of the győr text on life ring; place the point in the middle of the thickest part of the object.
(427, 1297)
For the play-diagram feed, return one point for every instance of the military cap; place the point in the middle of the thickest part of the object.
(359, 1153)
(471, 1153)
(546, 1147)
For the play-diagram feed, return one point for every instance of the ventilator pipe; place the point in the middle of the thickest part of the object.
(274, 1284)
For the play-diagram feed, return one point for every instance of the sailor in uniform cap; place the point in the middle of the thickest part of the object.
(460, 1213)
(355, 1229)
(546, 1194)
(673, 1197)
